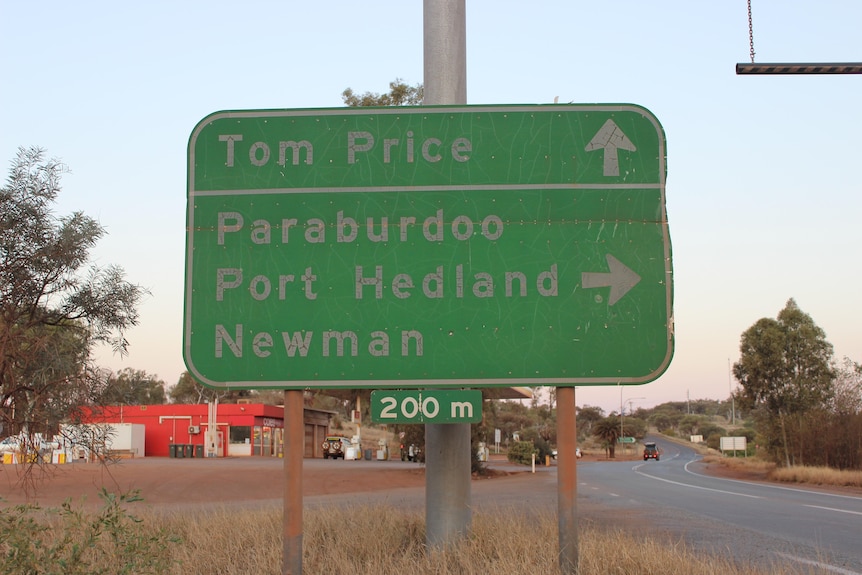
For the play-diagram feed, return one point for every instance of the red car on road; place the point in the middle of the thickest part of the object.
(651, 451)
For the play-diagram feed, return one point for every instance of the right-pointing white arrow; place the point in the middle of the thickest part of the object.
(620, 279)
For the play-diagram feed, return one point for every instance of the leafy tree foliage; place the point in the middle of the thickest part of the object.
(837, 434)
(400, 94)
(587, 417)
(132, 387)
(54, 308)
(188, 390)
(664, 420)
(847, 399)
(513, 416)
(785, 372)
(635, 427)
(690, 424)
(542, 446)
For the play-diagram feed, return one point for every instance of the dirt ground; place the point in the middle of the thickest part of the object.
(166, 481)
(196, 481)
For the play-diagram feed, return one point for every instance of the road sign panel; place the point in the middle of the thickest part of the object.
(426, 406)
(404, 247)
(626, 440)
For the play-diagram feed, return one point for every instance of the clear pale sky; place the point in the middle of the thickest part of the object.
(764, 188)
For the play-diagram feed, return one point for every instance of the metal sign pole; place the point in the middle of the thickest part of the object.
(294, 440)
(567, 480)
(447, 446)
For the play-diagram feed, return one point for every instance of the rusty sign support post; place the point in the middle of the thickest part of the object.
(294, 448)
(567, 480)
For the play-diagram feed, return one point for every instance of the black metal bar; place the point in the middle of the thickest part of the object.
(812, 68)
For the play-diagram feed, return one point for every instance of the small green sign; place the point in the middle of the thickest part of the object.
(625, 440)
(428, 246)
(426, 406)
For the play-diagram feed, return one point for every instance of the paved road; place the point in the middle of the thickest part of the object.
(750, 520)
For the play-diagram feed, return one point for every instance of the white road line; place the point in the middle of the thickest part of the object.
(636, 470)
(768, 485)
(818, 564)
(833, 509)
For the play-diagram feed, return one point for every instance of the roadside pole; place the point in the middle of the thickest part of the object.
(567, 480)
(294, 439)
(447, 446)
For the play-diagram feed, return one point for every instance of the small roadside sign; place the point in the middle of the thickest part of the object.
(426, 406)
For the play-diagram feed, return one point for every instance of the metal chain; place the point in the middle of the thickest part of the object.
(750, 32)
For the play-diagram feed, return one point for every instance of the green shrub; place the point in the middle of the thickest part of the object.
(522, 452)
(541, 446)
(710, 429)
(714, 440)
(68, 541)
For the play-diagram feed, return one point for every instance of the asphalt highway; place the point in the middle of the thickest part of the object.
(750, 520)
(674, 500)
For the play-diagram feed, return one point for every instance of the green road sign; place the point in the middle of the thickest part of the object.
(625, 440)
(426, 406)
(428, 246)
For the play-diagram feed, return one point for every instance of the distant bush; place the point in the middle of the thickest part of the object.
(710, 429)
(521, 452)
(714, 440)
(543, 449)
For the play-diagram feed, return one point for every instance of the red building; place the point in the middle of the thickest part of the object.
(243, 428)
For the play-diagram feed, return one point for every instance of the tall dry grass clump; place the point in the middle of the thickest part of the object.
(817, 476)
(801, 474)
(390, 541)
(344, 541)
(752, 465)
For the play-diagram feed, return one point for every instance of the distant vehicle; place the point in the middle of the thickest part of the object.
(578, 453)
(335, 446)
(10, 444)
(651, 451)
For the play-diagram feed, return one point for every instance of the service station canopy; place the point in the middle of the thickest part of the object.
(466, 246)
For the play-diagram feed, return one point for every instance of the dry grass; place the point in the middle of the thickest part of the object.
(755, 467)
(817, 476)
(388, 541)
(747, 465)
(336, 541)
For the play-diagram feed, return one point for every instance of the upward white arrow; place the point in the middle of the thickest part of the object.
(610, 138)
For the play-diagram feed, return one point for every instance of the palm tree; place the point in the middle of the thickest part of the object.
(608, 430)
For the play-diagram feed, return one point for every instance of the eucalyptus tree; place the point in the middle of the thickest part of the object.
(132, 387)
(399, 94)
(785, 370)
(55, 307)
